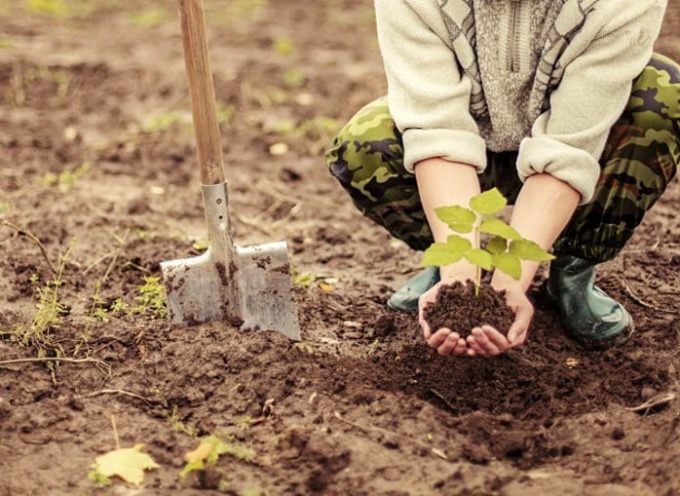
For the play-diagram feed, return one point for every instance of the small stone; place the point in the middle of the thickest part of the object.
(278, 149)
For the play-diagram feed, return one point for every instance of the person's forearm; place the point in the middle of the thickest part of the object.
(441, 184)
(542, 210)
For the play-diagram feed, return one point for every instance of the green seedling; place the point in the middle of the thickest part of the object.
(48, 315)
(151, 299)
(284, 46)
(178, 425)
(66, 180)
(210, 450)
(504, 250)
(162, 122)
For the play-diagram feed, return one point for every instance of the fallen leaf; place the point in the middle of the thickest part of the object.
(325, 287)
(128, 464)
(209, 450)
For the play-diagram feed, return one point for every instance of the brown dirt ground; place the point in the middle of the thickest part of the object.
(361, 406)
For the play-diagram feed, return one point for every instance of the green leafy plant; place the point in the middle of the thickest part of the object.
(151, 299)
(504, 250)
(66, 180)
(48, 315)
(209, 451)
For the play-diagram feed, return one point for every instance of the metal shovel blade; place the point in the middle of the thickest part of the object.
(267, 303)
(250, 287)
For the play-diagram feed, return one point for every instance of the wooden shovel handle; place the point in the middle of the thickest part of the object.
(202, 90)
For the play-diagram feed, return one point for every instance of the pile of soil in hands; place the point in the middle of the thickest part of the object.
(460, 309)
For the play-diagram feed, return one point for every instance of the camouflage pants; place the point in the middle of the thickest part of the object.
(640, 159)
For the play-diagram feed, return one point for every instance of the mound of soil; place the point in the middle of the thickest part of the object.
(459, 309)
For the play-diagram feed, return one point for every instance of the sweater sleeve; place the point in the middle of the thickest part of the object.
(427, 95)
(567, 141)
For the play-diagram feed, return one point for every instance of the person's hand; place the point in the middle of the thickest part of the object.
(444, 340)
(487, 341)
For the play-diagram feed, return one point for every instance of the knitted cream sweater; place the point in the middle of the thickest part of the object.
(548, 78)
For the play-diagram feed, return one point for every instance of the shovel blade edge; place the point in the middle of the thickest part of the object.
(194, 290)
(266, 289)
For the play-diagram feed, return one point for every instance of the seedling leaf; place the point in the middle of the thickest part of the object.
(528, 250)
(480, 258)
(129, 464)
(509, 264)
(459, 219)
(497, 227)
(497, 246)
(440, 255)
(457, 243)
(488, 203)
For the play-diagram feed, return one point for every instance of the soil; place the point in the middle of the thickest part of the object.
(459, 308)
(361, 405)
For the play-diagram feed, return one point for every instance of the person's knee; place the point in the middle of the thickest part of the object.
(655, 99)
(366, 143)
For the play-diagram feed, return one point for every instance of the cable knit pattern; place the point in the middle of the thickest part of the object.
(450, 87)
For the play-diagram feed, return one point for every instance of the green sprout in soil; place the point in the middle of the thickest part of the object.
(178, 425)
(209, 451)
(505, 249)
(48, 316)
(66, 180)
(151, 299)
(284, 46)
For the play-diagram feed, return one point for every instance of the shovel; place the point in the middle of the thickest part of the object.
(249, 287)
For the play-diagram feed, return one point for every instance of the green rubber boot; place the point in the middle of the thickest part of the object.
(405, 299)
(592, 317)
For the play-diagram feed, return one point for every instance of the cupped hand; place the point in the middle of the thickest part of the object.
(445, 341)
(487, 341)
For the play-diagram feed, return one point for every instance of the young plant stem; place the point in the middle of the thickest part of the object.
(478, 275)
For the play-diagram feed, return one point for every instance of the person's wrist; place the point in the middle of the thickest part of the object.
(503, 282)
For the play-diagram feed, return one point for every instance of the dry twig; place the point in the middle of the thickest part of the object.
(658, 400)
(32, 237)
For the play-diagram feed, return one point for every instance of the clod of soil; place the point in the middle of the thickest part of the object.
(459, 309)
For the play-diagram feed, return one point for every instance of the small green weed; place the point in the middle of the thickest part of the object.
(151, 299)
(209, 451)
(48, 316)
(65, 181)
(178, 425)
(284, 46)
